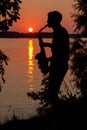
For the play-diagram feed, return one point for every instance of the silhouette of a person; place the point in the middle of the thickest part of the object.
(60, 55)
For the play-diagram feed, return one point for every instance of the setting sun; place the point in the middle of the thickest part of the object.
(30, 29)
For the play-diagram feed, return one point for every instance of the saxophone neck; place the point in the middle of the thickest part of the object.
(39, 33)
(42, 28)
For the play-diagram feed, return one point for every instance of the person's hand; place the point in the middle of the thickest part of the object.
(41, 44)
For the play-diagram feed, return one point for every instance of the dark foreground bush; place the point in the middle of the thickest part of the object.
(71, 114)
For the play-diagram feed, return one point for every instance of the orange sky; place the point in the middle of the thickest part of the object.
(34, 13)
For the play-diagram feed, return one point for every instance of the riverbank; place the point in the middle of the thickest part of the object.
(70, 115)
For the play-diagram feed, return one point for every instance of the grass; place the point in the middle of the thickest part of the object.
(71, 114)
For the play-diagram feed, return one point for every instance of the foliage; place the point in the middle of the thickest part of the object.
(80, 15)
(42, 95)
(79, 46)
(79, 63)
(9, 13)
(3, 60)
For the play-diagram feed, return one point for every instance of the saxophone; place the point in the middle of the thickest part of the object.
(41, 57)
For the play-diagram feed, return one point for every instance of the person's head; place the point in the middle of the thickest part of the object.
(54, 18)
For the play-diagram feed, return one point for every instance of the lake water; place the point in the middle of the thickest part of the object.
(22, 75)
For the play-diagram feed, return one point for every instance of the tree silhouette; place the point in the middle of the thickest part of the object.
(80, 15)
(79, 46)
(79, 63)
(3, 61)
(9, 13)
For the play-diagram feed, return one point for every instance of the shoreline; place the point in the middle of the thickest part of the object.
(70, 113)
(34, 35)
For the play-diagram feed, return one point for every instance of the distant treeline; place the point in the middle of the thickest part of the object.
(34, 35)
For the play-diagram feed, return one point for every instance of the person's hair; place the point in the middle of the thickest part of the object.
(55, 15)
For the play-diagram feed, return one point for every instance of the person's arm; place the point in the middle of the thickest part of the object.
(46, 44)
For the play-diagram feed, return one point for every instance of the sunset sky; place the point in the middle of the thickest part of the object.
(33, 13)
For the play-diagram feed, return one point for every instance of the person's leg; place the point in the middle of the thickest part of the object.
(55, 80)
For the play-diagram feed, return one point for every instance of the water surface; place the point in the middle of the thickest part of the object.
(22, 76)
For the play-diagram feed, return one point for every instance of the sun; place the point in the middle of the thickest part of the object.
(30, 29)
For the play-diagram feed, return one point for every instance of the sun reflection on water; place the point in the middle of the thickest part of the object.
(30, 65)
